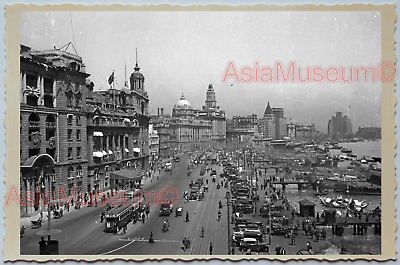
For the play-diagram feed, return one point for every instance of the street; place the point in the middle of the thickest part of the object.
(82, 233)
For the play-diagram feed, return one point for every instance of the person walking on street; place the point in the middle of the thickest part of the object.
(211, 248)
(187, 216)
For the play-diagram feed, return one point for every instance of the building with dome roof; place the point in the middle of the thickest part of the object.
(187, 132)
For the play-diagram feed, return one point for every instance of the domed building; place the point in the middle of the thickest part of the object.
(187, 132)
(183, 109)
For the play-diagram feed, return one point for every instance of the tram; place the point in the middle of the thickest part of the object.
(120, 216)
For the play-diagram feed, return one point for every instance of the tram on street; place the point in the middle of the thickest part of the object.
(120, 216)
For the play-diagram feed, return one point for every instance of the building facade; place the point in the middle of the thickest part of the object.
(118, 136)
(267, 123)
(339, 126)
(241, 130)
(369, 132)
(154, 145)
(189, 132)
(53, 142)
(212, 113)
(73, 139)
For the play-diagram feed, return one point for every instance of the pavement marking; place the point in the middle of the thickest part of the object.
(111, 251)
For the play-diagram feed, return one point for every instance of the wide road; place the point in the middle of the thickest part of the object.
(82, 233)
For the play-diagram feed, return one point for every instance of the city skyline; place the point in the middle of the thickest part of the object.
(186, 54)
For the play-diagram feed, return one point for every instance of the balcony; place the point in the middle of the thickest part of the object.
(34, 124)
(51, 125)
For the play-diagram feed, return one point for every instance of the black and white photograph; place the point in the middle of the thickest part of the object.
(201, 133)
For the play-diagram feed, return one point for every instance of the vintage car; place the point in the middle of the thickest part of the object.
(166, 209)
(253, 245)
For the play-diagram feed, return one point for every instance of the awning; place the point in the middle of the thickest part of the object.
(110, 152)
(126, 173)
(97, 134)
(127, 120)
(127, 150)
(137, 150)
(104, 153)
(95, 117)
(98, 154)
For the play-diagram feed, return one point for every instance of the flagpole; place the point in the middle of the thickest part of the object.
(113, 86)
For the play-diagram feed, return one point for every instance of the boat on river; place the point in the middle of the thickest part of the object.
(339, 202)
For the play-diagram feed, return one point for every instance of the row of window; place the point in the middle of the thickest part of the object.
(70, 119)
(78, 152)
(72, 174)
(78, 134)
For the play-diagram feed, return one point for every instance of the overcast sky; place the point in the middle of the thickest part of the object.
(183, 52)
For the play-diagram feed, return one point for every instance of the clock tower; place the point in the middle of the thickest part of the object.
(211, 102)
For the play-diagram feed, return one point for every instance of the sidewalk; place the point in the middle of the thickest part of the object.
(26, 220)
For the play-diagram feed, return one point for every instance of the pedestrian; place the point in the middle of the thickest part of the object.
(309, 247)
(101, 217)
(278, 250)
(187, 216)
(211, 248)
(151, 239)
(67, 206)
(41, 214)
(42, 246)
(176, 211)
(125, 228)
(61, 212)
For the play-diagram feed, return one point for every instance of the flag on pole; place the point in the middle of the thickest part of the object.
(111, 78)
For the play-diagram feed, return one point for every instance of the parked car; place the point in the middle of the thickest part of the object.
(253, 245)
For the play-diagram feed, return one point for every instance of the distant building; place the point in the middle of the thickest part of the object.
(267, 123)
(273, 124)
(280, 123)
(299, 132)
(369, 132)
(241, 130)
(212, 112)
(339, 126)
(154, 145)
(160, 123)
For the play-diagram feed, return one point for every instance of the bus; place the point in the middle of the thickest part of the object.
(121, 215)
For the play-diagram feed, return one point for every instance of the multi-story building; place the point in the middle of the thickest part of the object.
(189, 132)
(53, 143)
(212, 112)
(369, 132)
(280, 124)
(267, 123)
(160, 123)
(339, 126)
(241, 130)
(75, 139)
(154, 144)
(300, 132)
(118, 136)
